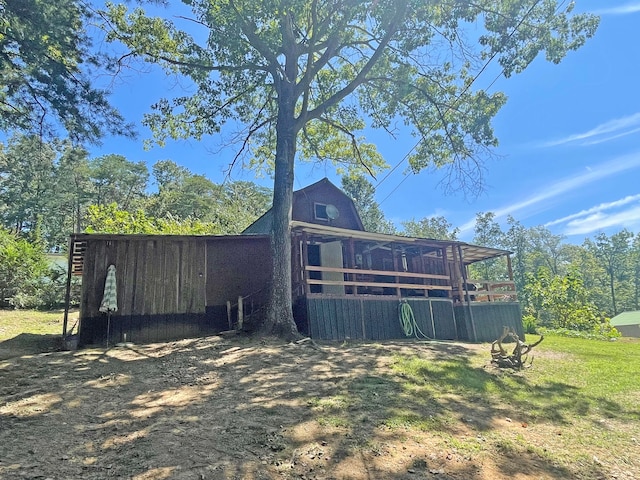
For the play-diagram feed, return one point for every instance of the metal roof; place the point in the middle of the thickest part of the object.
(470, 253)
(626, 318)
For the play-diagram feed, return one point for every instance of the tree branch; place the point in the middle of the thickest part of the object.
(362, 74)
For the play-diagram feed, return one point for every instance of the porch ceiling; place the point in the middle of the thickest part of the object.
(470, 253)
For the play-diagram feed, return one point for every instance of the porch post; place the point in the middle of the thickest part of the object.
(395, 268)
(509, 268)
(457, 271)
(305, 259)
(424, 269)
(466, 293)
(447, 270)
(352, 264)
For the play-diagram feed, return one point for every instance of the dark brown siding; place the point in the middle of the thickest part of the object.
(303, 207)
(170, 287)
(161, 285)
(323, 192)
(237, 266)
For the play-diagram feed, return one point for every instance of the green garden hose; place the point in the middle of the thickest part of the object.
(408, 321)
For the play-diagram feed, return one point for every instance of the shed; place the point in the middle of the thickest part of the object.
(168, 286)
(627, 323)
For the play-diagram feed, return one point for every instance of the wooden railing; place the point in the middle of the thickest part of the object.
(487, 291)
(375, 281)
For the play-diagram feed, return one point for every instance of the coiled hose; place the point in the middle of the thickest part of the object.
(408, 321)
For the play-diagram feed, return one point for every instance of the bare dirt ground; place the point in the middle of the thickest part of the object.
(238, 408)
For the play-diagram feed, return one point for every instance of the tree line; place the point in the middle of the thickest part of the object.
(49, 190)
(56, 189)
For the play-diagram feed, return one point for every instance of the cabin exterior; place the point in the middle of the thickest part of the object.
(347, 283)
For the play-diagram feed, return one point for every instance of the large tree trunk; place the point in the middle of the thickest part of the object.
(279, 319)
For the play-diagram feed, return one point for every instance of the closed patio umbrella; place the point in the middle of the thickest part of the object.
(110, 297)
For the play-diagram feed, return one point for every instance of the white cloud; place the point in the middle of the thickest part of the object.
(566, 185)
(621, 10)
(629, 218)
(603, 207)
(612, 137)
(604, 132)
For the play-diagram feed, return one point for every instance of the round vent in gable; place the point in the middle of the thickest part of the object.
(332, 212)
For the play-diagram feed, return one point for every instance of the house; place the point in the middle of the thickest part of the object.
(347, 283)
(627, 323)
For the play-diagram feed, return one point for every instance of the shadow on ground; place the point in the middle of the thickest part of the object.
(29, 344)
(238, 408)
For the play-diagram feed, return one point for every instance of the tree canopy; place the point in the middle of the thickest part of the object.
(363, 195)
(304, 78)
(46, 66)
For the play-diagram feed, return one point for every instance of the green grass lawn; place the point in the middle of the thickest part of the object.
(15, 322)
(580, 397)
(577, 405)
(25, 332)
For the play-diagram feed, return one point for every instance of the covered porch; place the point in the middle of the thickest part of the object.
(341, 274)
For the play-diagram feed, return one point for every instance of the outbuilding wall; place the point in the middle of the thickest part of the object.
(485, 321)
(168, 287)
(629, 330)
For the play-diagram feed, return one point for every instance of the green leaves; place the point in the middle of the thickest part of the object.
(561, 301)
(436, 227)
(23, 267)
(363, 195)
(46, 64)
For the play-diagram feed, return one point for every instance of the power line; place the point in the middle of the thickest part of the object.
(454, 104)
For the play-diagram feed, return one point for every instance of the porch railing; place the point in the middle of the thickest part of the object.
(360, 281)
(486, 291)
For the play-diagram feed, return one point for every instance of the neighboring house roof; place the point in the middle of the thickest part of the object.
(304, 200)
(626, 318)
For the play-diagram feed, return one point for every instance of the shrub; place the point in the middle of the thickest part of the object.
(602, 331)
(54, 289)
(23, 270)
(529, 323)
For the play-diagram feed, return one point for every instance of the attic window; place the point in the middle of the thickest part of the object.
(320, 211)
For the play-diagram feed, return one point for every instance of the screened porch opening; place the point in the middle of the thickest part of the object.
(337, 262)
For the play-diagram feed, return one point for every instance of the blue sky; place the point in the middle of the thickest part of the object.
(569, 154)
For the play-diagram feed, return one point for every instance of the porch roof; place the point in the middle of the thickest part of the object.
(470, 253)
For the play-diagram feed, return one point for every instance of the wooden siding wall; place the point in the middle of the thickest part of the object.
(303, 207)
(236, 267)
(161, 289)
(373, 318)
(487, 320)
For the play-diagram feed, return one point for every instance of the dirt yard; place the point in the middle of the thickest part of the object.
(238, 408)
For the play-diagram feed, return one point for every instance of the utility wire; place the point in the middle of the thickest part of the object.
(454, 104)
